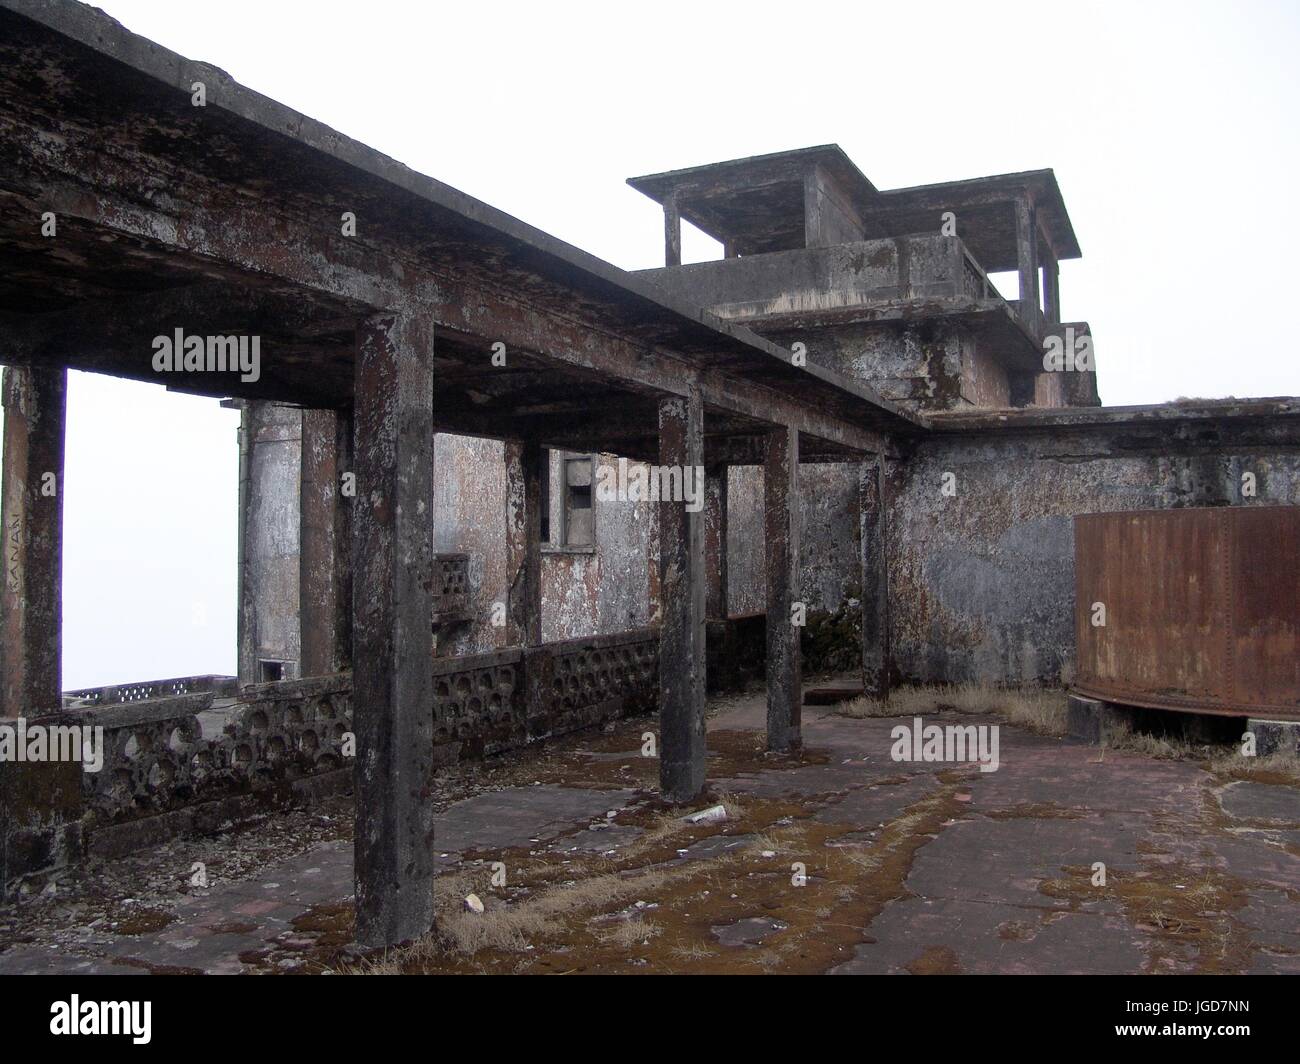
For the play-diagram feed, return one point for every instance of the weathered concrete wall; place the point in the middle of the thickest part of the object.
(926, 365)
(603, 590)
(746, 579)
(829, 537)
(606, 589)
(599, 590)
(469, 506)
(981, 583)
(819, 279)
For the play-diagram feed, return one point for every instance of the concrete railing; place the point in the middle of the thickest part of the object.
(195, 755)
(136, 692)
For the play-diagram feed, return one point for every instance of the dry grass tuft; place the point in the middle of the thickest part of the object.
(735, 808)
(692, 951)
(513, 928)
(629, 933)
(1272, 768)
(1039, 710)
(1161, 748)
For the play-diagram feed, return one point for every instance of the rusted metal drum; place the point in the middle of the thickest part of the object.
(1201, 609)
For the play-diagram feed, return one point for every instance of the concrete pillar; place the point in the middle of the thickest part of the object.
(270, 541)
(325, 550)
(781, 529)
(392, 604)
(682, 593)
(1052, 290)
(525, 468)
(875, 582)
(715, 541)
(31, 513)
(672, 232)
(1027, 259)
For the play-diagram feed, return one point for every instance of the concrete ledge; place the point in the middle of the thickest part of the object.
(1090, 719)
(208, 818)
(1275, 736)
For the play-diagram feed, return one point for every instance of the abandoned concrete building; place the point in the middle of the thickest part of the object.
(435, 558)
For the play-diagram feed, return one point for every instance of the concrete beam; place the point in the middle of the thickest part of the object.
(781, 528)
(392, 544)
(682, 593)
(31, 514)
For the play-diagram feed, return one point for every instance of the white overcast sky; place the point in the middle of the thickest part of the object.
(1171, 127)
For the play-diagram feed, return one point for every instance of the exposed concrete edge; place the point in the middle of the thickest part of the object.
(1275, 736)
(1091, 720)
(1050, 419)
(114, 840)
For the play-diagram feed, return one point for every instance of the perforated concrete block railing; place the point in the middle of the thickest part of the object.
(180, 750)
(157, 758)
(137, 692)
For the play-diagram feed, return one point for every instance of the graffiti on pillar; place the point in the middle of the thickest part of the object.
(13, 553)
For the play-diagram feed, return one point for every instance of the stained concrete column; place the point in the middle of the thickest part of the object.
(525, 467)
(682, 592)
(1052, 290)
(270, 547)
(672, 232)
(392, 604)
(325, 549)
(31, 513)
(1027, 259)
(781, 528)
(875, 580)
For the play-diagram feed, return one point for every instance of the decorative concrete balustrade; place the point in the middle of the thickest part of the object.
(162, 754)
(135, 692)
(199, 754)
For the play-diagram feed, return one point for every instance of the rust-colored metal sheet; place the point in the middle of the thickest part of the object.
(1202, 609)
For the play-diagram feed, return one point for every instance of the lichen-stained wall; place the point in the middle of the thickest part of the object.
(746, 572)
(984, 381)
(818, 279)
(604, 590)
(830, 567)
(981, 582)
(469, 507)
(922, 361)
(926, 365)
(829, 538)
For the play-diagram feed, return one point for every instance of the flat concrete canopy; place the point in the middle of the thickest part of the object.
(757, 205)
(228, 218)
(985, 219)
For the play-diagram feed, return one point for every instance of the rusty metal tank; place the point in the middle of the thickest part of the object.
(1202, 609)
